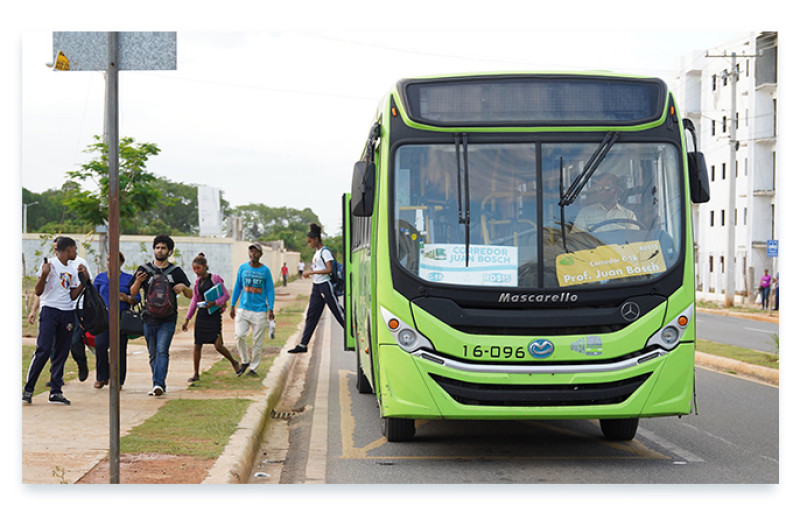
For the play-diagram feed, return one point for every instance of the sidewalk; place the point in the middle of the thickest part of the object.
(70, 440)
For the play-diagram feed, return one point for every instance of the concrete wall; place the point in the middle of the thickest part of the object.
(224, 255)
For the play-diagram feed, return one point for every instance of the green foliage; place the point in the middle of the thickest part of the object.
(265, 223)
(137, 190)
(150, 204)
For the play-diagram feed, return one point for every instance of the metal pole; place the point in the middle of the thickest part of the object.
(730, 283)
(112, 129)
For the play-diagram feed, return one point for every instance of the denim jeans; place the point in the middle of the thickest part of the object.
(159, 337)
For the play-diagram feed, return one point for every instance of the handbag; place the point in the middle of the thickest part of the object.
(131, 323)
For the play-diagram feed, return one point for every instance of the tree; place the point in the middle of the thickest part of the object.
(288, 224)
(137, 186)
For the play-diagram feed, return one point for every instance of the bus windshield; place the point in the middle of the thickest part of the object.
(624, 226)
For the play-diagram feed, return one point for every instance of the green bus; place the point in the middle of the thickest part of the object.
(519, 246)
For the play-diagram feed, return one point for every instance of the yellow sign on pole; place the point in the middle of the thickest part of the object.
(610, 262)
(62, 63)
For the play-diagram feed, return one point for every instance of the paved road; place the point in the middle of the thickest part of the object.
(734, 439)
(740, 332)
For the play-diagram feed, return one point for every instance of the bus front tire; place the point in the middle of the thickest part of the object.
(362, 383)
(398, 430)
(619, 429)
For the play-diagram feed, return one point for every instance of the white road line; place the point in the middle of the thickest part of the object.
(667, 445)
(758, 330)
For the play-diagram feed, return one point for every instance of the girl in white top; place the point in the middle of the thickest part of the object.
(322, 292)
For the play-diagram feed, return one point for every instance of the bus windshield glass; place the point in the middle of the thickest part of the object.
(623, 227)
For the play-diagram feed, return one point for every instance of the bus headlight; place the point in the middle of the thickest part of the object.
(672, 333)
(405, 335)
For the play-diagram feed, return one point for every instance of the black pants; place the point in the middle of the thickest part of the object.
(55, 333)
(101, 348)
(76, 346)
(321, 295)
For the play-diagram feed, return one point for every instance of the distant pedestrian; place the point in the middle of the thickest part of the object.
(322, 291)
(257, 291)
(766, 282)
(301, 267)
(208, 325)
(162, 282)
(101, 341)
(285, 274)
(59, 287)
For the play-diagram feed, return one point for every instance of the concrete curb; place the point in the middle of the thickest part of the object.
(236, 461)
(722, 364)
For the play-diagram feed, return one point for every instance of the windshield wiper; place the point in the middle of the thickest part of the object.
(463, 208)
(589, 168)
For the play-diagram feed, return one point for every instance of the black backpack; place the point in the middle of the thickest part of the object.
(93, 316)
(160, 300)
(337, 275)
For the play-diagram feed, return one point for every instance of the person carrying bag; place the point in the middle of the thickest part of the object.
(101, 341)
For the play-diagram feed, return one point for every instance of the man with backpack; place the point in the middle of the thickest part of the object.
(58, 287)
(162, 282)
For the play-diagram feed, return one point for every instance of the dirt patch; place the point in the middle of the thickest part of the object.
(152, 468)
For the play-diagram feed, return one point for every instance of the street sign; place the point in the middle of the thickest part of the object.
(62, 63)
(137, 50)
(772, 249)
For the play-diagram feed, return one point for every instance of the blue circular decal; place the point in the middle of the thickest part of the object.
(541, 348)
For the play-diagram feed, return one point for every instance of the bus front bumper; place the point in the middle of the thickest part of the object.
(427, 386)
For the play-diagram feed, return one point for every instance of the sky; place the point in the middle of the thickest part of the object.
(278, 117)
(272, 102)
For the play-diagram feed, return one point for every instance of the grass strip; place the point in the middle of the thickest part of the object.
(755, 357)
(194, 427)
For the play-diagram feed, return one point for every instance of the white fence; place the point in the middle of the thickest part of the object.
(224, 255)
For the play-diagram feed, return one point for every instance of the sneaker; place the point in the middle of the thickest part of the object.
(59, 399)
(252, 373)
(299, 349)
(242, 369)
(157, 390)
(27, 397)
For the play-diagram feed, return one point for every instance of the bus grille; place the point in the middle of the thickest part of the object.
(540, 395)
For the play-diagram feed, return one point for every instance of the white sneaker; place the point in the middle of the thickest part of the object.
(157, 390)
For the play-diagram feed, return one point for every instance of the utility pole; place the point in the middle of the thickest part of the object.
(730, 270)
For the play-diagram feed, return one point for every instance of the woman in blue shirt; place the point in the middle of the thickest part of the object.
(101, 340)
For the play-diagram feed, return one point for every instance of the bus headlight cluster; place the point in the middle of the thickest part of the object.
(671, 334)
(405, 335)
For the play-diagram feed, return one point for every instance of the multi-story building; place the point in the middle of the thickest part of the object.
(704, 93)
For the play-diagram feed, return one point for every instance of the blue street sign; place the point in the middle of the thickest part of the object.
(772, 248)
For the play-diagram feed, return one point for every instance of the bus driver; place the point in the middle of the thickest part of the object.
(606, 210)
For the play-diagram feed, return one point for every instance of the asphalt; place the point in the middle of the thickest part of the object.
(49, 458)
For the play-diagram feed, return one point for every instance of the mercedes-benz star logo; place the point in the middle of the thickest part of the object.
(630, 311)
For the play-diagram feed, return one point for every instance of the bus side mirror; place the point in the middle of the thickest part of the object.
(698, 178)
(362, 198)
